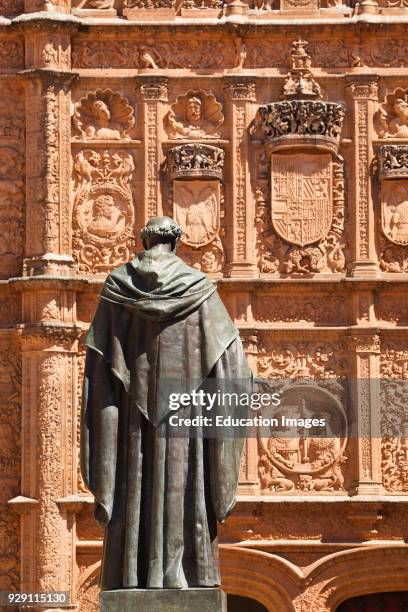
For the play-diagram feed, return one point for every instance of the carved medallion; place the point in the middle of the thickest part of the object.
(103, 213)
(197, 211)
(196, 114)
(394, 211)
(301, 201)
(103, 115)
(300, 457)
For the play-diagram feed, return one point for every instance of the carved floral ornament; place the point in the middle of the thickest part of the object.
(391, 119)
(103, 115)
(196, 114)
(394, 423)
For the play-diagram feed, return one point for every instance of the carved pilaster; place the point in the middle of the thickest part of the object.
(154, 93)
(363, 90)
(12, 183)
(366, 400)
(241, 97)
(48, 466)
(249, 477)
(48, 243)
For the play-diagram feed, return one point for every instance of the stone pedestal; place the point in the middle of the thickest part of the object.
(158, 600)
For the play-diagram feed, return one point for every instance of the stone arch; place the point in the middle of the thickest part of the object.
(384, 600)
(267, 578)
(360, 571)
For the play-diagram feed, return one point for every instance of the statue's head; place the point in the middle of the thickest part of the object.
(193, 110)
(161, 230)
(401, 109)
(103, 206)
(101, 111)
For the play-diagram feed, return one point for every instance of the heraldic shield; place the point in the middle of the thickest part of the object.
(301, 201)
(394, 211)
(196, 209)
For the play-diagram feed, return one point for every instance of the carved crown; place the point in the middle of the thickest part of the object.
(196, 161)
(393, 161)
(301, 122)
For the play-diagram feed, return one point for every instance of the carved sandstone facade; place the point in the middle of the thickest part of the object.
(281, 147)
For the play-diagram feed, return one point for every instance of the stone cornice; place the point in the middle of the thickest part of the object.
(93, 285)
(236, 26)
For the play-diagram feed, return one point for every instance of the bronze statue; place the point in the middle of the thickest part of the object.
(158, 496)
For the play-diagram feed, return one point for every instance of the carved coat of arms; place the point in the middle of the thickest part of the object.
(301, 201)
(197, 211)
(394, 211)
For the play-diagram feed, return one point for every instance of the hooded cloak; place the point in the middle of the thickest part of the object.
(158, 496)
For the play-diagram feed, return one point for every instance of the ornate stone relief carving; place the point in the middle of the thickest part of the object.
(103, 115)
(302, 118)
(319, 309)
(196, 114)
(393, 258)
(306, 360)
(11, 180)
(394, 422)
(103, 210)
(149, 4)
(94, 8)
(275, 252)
(299, 5)
(11, 54)
(301, 201)
(80, 362)
(392, 308)
(180, 52)
(307, 186)
(301, 122)
(196, 160)
(151, 53)
(11, 8)
(197, 203)
(393, 161)
(88, 592)
(393, 164)
(391, 120)
(305, 459)
(394, 211)
(10, 449)
(196, 209)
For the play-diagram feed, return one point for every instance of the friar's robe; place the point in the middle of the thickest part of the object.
(157, 495)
